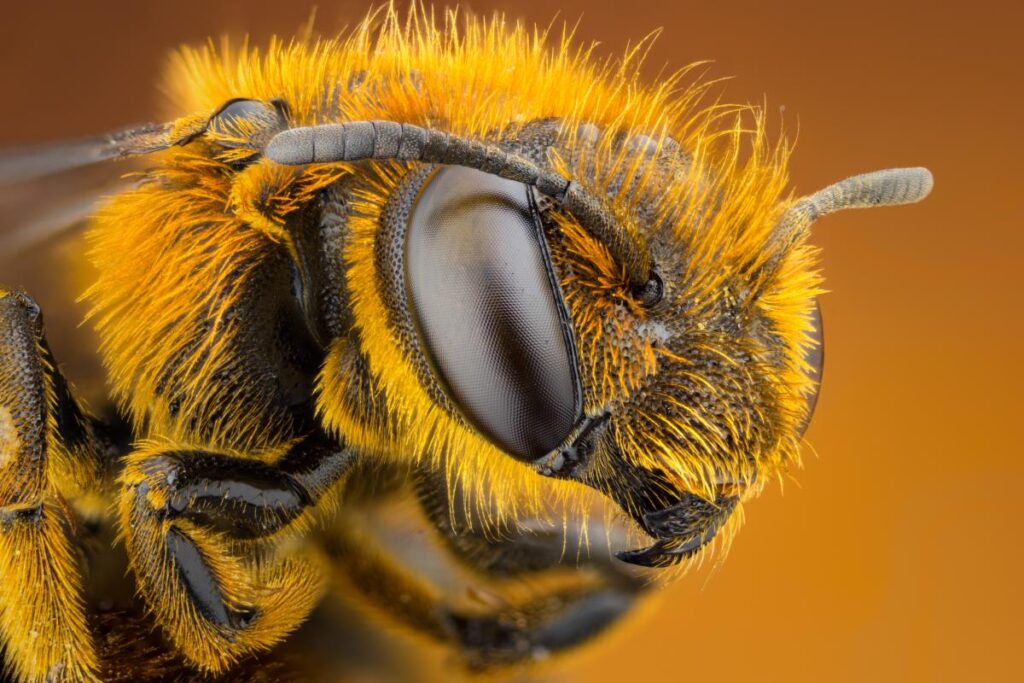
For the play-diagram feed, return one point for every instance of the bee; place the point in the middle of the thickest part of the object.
(459, 264)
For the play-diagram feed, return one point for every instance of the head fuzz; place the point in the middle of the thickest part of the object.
(704, 376)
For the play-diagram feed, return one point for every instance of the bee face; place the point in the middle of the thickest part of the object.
(653, 335)
(667, 398)
(692, 401)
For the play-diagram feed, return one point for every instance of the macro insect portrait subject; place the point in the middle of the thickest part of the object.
(565, 331)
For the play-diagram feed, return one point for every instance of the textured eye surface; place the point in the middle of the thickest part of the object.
(816, 359)
(488, 314)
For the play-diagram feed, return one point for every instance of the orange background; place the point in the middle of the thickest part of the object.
(896, 554)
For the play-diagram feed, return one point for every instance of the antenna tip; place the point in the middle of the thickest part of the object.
(918, 183)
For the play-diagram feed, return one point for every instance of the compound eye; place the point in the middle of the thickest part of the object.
(244, 123)
(816, 359)
(488, 311)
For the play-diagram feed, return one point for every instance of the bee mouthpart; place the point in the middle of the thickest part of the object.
(665, 552)
(681, 530)
(679, 523)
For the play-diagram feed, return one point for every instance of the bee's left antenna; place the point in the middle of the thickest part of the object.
(362, 140)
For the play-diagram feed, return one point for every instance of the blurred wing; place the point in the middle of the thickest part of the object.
(35, 212)
(51, 189)
(30, 163)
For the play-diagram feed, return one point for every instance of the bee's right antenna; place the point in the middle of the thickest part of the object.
(881, 188)
(361, 140)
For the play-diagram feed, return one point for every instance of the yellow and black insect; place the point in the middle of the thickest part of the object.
(462, 264)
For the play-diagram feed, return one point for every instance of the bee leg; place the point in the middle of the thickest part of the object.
(549, 623)
(43, 623)
(192, 520)
(363, 571)
(528, 548)
(488, 631)
(576, 600)
(548, 626)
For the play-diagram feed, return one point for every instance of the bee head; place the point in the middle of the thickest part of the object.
(631, 311)
(650, 330)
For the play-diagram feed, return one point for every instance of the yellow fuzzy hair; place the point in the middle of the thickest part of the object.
(43, 624)
(480, 78)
